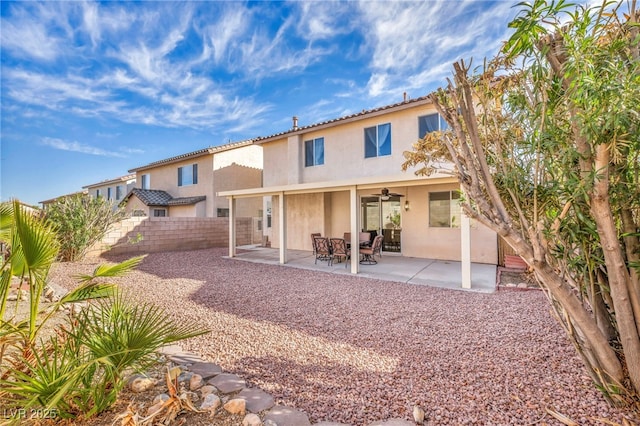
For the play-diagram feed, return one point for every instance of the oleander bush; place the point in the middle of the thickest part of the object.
(81, 221)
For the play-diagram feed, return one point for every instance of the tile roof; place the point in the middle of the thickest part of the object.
(185, 201)
(194, 154)
(150, 197)
(109, 181)
(155, 197)
(400, 105)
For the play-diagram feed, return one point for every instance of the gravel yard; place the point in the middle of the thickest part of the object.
(356, 350)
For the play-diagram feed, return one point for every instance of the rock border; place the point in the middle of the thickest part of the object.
(221, 390)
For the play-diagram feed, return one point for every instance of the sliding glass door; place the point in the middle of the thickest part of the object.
(382, 217)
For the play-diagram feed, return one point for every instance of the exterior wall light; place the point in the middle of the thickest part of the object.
(406, 206)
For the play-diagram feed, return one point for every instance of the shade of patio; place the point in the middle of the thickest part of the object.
(392, 267)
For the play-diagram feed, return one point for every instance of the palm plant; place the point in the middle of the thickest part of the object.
(79, 371)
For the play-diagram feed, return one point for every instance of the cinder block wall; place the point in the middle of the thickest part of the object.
(138, 235)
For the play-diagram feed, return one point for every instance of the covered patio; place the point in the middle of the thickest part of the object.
(337, 207)
(390, 267)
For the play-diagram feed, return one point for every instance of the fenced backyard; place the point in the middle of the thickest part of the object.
(358, 350)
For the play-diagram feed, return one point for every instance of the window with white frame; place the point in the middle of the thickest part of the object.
(430, 123)
(377, 140)
(159, 212)
(314, 152)
(98, 193)
(109, 193)
(444, 209)
(145, 181)
(118, 192)
(188, 175)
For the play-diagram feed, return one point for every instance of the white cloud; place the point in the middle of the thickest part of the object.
(25, 38)
(135, 151)
(91, 21)
(220, 37)
(413, 44)
(78, 147)
(323, 20)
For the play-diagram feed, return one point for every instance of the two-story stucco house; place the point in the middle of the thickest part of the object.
(186, 185)
(113, 190)
(344, 175)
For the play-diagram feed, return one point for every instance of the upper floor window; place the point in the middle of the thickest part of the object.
(118, 192)
(109, 193)
(145, 181)
(444, 209)
(377, 140)
(314, 152)
(431, 123)
(98, 193)
(188, 175)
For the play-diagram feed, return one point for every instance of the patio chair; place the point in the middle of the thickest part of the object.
(369, 253)
(339, 250)
(365, 239)
(313, 241)
(323, 249)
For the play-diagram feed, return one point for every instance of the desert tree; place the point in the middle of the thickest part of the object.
(545, 140)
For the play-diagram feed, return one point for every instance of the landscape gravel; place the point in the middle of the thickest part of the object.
(354, 350)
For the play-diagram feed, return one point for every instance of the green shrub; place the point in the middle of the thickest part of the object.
(80, 370)
(81, 221)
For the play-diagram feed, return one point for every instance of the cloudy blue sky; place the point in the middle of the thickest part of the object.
(90, 90)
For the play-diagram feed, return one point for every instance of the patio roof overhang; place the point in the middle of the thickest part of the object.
(368, 182)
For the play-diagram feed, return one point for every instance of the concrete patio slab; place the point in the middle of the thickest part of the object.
(390, 267)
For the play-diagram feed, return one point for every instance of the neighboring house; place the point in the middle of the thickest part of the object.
(344, 175)
(186, 185)
(113, 190)
(47, 203)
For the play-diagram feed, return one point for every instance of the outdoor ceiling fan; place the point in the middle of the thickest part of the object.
(385, 194)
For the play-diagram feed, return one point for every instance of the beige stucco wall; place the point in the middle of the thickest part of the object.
(235, 176)
(275, 163)
(307, 214)
(441, 243)
(343, 151)
(134, 203)
(193, 210)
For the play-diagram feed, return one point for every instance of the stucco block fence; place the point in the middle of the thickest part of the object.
(139, 235)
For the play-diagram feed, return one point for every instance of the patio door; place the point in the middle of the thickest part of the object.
(382, 216)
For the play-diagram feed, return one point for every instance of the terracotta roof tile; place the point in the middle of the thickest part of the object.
(155, 197)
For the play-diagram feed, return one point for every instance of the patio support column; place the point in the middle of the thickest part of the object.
(282, 221)
(465, 243)
(355, 244)
(232, 227)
